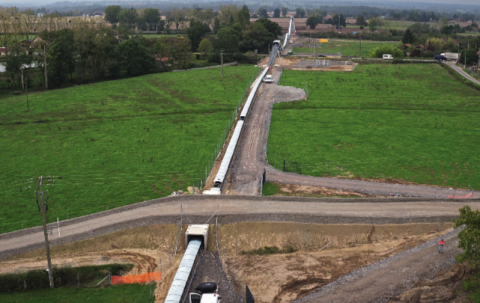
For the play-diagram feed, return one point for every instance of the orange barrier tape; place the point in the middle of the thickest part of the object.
(142, 278)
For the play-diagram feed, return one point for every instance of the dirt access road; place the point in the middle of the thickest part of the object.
(382, 280)
(245, 175)
(198, 209)
(249, 162)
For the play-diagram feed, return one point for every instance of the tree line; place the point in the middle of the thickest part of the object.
(84, 53)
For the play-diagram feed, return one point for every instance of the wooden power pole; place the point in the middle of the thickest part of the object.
(43, 210)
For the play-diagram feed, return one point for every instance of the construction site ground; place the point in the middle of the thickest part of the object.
(272, 278)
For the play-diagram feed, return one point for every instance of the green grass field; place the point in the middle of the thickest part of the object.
(404, 121)
(346, 47)
(112, 143)
(117, 293)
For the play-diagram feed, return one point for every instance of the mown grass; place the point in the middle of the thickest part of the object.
(410, 122)
(346, 47)
(112, 143)
(117, 293)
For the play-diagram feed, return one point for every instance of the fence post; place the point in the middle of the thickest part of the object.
(78, 278)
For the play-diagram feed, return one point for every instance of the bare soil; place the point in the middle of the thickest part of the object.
(285, 277)
(315, 191)
(272, 277)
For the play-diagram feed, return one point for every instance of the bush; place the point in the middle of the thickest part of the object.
(380, 51)
(67, 276)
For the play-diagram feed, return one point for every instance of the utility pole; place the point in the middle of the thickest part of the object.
(43, 209)
(221, 60)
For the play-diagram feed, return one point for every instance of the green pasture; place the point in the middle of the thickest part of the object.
(400, 25)
(403, 121)
(127, 293)
(346, 47)
(112, 143)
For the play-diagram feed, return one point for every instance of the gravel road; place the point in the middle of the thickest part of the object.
(249, 162)
(199, 208)
(245, 174)
(380, 281)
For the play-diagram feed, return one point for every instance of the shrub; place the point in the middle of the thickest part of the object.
(67, 276)
(380, 51)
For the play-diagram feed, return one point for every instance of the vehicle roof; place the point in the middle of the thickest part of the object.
(268, 76)
(209, 298)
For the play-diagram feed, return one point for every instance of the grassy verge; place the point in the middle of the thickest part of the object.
(460, 78)
(117, 293)
(345, 47)
(269, 189)
(410, 122)
(113, 143)
(472, 286)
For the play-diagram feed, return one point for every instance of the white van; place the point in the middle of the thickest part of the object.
(387, 57)
(268, 79)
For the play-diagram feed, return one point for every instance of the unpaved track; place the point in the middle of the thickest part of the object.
(197, 209)
(392, 276)
(246, 172)
(249, 162)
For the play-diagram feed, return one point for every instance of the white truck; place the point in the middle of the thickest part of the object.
(450, 56)
(268, 79)
(207, 293)
(204, 298)
(387, 57)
